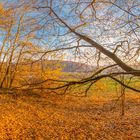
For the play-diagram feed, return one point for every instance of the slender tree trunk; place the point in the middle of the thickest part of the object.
(122, 88)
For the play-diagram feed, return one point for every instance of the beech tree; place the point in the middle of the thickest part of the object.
(109, 30)
(91, 12)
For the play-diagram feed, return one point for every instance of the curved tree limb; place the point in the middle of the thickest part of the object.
(94, 44)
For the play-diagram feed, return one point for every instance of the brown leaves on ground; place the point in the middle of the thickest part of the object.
(46, 117)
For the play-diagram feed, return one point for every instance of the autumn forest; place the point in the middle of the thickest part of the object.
(70, 69)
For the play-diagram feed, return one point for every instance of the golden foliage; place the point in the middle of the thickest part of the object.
(5, 16)
(36, 73)
(33, 116)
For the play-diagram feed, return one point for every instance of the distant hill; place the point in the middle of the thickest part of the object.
(67, 66)
(70, 66)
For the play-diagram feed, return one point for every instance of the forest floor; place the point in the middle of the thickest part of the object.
(55, 117)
